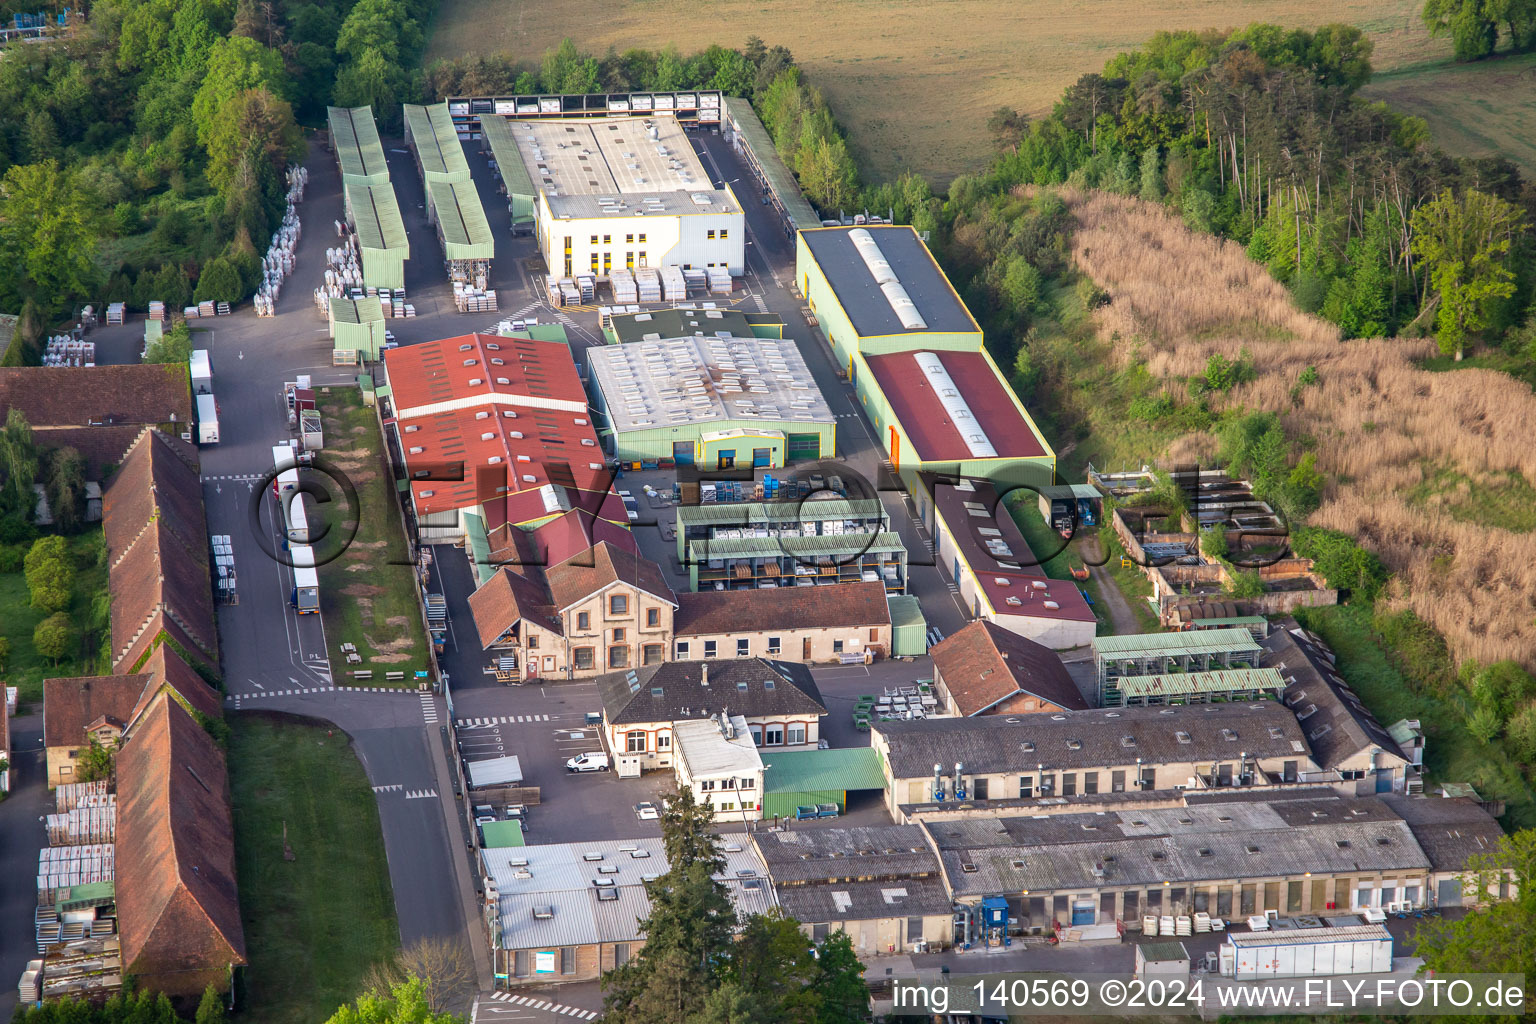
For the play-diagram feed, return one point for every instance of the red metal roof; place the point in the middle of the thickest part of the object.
(575, 532)
(928, 424)
(511, 422)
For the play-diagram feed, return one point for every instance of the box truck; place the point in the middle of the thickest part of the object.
(207, 420)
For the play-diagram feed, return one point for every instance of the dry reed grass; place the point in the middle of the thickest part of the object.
(1381, 423)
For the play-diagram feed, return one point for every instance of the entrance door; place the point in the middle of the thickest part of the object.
(532, 669)
(1082, 912)
(1383, 780)
(805, 649)
(895, 449)
(727, 459)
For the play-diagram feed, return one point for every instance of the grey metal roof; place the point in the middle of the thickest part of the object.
(1451, 830)
(495, 771)
(498, 134)
(752, 687)
(827, 854)
(679, 322)
(860, 296)
(1093, 739)
(1199, 641)
(746, 121)
(1201, 842)
(865, 901)
(828, 545)
(1337, 723)
(780, 513)
(1308, 936)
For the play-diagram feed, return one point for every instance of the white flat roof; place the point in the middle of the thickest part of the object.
(707, 751)
(671, 382)
(495, 771)
(615, 167)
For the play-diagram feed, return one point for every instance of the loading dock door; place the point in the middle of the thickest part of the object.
(762, 457)
(682, 453)
(803, 446)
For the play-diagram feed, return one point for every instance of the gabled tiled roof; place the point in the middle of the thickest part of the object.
(1337, 722)
(751, 687)
(57, 396)
(736, 611)
(984, 664)
(160, 584)
(71, 705)
(177, 904)
(506, 598)
(167, 671)
(586, 573)
(158, 480)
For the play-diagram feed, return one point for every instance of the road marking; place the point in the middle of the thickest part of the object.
(486, 723)
(420, 794)
(428, 708)
(397, 787)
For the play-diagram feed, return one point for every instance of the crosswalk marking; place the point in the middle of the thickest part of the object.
(428, 708)
(503, 720)
(540, 1004)
(233, 476)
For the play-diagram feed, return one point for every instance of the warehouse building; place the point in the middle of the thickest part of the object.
(627, 192)
(354, 138)
(1000, 579)
(881, 885)
(952, 761)
(1232, 684)
(374, 214)
(569, 912)
(715, 402)
(796, 781)
(914, 354)
(689, 319)
(984, 669)
(493, 427)
(511, 173)
(453, 204)
(357, 329)
(1155, 654)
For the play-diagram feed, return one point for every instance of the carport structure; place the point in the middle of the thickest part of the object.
(804, 778)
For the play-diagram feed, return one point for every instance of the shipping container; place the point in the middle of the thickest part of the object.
(202, 372)
(1307, 952)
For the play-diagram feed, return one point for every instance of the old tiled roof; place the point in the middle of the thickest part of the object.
(1067, 740)
(824, 854)
(1337, 723)
(99, 447)
(588, 572)
(156, 481)
(55, 396)
(737, 611)
(753, 687)
(168, 671)
(176, 899)
(984, 664)
(826, 902)
(160, 584)
(1450, 830)
(504, 599)
(71, 705)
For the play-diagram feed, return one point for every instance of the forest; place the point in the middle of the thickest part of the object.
(149, 160)
(795, 114)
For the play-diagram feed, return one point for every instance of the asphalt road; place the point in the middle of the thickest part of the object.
(24, 836)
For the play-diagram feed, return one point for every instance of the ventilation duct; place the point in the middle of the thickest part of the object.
(960, 414)
(885, 277)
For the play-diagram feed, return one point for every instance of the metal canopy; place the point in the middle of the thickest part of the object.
(432, 135)
(461, 223)
(376, 216)
(355, 138)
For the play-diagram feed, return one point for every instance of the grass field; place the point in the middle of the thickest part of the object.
(1472, 109)
(913, 80)
(368, 594)
(316, 923)
(27, 669)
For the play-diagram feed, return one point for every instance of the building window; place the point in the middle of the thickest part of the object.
(773, 645)
(618, 657)
(711, 237)
(1026, 787)
(630, 238)
(706, 785)
(709, 648)
(682, 650)
(651, 655)
(818, 933)
(533, 643)
(796, 734)
(652, 618)
(743, 647)
(620, 954)
(1117, 782)
(582, 658)
(664, 741)
(642, 238)
(1047, 785)
(748, 783)
(567, 959)
(594, 239)
(594, 262)
(618, 635)
(1090, 782)
(773, 735)
(727, 783)
(629, 259)
(837, 647)
(725, 233)
(729, 805)
(914, 929)
(607, 239)
(757, 734)
(1068, 784)
(618, 604)
(583, 621)
(634, 742)
(874, 635)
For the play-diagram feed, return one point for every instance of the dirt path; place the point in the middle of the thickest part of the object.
(1121, 617)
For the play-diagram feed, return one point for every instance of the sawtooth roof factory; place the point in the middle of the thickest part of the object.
(711, 400)
(626, 192)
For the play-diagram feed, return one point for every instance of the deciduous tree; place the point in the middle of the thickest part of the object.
(1464, 244)
(45, 236)
(51, 637)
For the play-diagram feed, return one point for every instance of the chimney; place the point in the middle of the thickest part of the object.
(704, 675)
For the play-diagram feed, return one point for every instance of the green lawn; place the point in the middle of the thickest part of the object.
(26, 668)
(1450, 753)
(368, 593)
(313, 925)
(1502, 500)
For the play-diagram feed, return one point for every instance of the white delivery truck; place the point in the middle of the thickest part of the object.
(207, 420)
(202, 372)
(306, 583)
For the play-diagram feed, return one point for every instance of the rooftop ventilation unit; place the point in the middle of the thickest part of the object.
(949, 396)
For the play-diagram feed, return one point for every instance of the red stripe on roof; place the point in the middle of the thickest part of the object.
(928, 424)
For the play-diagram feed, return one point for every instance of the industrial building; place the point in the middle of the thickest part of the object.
(510, 172)
(1155, 654)
(717, 761)
(354, 138)
(453, 204)
(717, 402)
(1000, 579)
(985, 669)
(374, 214)
(847, 623)
(569, 912)
(357, 329)
(914, 354)
(698, 319)
(1232, 684)
(493, 427)
(626, 192)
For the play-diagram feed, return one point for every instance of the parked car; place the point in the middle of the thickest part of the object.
(595, 761)
(517, 812)
(646, 811)
(818, 482)
(593, 719)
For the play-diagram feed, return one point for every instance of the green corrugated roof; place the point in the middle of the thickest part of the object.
(1198, 641)
(905, 611)
(366, 310)
(1217, 681)
(88, 895)
(436, 140)
(756, 513)
(376, 215)
(498, 135)
(479, 548)
(501, 834)
(779, 177)
(1055, 491)
(461, 221)
(838, 769)
(802, 547)
(355, 138)
(1161, 951)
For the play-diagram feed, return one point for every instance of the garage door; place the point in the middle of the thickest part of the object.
(803, 446)
(1449, 892)
(682, 453)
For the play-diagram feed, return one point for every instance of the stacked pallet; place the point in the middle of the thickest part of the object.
(116, 311)
(83, 826)
(62, 350)
(674, 284)
(468, 299)
(157, 310)
(623, 284)
(648, 284)
(719, 280)
(70, 795)
(87, 968)
(59, 867)
(586, 284)
(695, 280)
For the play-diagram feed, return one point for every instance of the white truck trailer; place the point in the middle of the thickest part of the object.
(207, 420)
